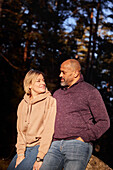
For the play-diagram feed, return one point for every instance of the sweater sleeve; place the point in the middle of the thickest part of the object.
(47, 135)
(100, 115)
(21, 146)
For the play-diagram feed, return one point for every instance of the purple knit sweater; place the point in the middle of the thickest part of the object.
(81, 113)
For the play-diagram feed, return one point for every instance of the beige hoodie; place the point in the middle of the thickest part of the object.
(35, 123)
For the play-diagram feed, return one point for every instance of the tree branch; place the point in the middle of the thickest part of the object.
(15, 67)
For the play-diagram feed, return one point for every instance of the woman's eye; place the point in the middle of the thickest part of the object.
(38, 81)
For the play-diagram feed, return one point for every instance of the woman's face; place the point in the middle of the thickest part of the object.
(38, 86)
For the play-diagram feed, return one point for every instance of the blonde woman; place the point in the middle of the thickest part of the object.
(35, 123)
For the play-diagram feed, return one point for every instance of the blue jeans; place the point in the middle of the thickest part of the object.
(28, 162)
(67, 154)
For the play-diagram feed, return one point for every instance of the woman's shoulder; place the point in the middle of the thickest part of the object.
(20, 105)
(51, 100)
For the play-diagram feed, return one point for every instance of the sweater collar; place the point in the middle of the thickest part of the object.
(80, 80)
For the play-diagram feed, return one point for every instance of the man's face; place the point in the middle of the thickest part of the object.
(67, 75)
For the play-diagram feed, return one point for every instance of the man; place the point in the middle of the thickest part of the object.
(81, 119)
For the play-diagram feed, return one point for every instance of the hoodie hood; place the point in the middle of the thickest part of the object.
(31, 102)
(39, 97)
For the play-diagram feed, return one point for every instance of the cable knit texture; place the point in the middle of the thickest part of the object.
(81, 112)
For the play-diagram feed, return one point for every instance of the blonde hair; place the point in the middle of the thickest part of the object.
(30, 77)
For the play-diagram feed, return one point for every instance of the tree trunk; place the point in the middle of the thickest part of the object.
(94, 40)
(89, 47)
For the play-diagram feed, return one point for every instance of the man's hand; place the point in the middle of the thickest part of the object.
(37, 165)
(79, 138)
(19, 159)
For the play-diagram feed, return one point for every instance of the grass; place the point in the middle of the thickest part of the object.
(4, 164)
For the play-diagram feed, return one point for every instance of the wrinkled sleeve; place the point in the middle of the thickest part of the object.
(99, 112)
(49, 120)
(21, 146)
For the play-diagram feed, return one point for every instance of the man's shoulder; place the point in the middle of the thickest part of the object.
(88, 86)
(57, 92)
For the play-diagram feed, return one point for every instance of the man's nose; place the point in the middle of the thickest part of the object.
(60, 75)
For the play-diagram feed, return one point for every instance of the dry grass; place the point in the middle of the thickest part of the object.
(4, 164)
(97, 164)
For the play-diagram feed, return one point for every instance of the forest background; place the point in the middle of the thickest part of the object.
(41, 34)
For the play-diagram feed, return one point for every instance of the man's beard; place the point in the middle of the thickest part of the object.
(63, 84)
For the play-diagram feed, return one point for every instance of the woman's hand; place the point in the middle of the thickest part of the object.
(37, 165)
(19, 159)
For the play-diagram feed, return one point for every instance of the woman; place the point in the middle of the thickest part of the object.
(35, 123)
